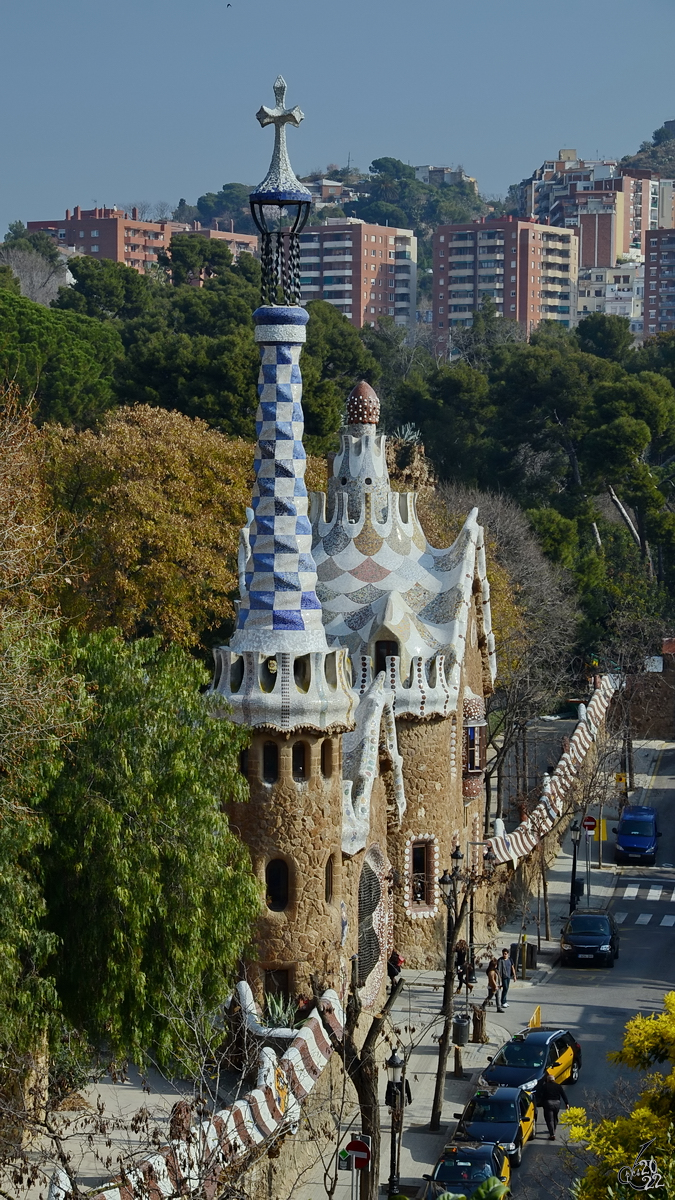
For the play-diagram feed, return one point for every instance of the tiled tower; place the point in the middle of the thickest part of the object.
(278, 673)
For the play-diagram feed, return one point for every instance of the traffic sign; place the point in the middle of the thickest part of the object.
(344, 1161)
(589, 823)
(360, 1151)
(620, 777)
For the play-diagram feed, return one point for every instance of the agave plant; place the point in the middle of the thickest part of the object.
(282, 1011)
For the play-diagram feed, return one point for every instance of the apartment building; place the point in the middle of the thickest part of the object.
(110, 233)
(529, 270)
(617, 291)
(366, 271)
(659, 314)
(448, 175)
(611, 206)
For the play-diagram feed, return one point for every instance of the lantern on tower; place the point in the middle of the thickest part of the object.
(280, 207)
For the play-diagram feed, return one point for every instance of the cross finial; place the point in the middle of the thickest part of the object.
(280, 177)
(280, 115)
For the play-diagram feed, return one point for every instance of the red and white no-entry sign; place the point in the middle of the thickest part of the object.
(589, 824)
(360, 1152)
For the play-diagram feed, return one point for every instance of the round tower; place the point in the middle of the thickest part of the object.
(278, 674)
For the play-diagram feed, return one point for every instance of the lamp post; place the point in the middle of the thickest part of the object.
(575, 830)
(394, 1101)
(470, 878)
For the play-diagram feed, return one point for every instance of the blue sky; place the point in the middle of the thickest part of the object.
(142, 99)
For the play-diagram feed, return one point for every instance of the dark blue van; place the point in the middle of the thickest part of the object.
(636, 835)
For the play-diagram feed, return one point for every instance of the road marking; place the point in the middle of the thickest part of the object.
(631, 891)
(655, 892)
(620, 918)
(644, 919)
(668, 921)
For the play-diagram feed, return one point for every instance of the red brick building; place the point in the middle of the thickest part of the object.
(366, 271)
(110, 233)
(659, 316)
(529, 270)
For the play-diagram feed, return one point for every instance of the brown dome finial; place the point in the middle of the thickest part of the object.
(363, 405)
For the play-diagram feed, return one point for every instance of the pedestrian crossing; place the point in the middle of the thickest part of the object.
(644, 892)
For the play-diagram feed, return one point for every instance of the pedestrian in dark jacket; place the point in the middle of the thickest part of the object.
(506, 973)
(549, 1096)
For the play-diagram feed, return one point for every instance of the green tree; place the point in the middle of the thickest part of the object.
(393, 167)
(451, 409)
(106, 289)
(8, 279)
(65, 360)
(149, 893)
(18, 236)
(606, 336)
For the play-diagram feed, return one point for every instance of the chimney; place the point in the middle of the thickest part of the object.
(67, 214)
(134, 214)
(76, 212)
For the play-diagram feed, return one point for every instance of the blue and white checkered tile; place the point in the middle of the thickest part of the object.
(281, 573)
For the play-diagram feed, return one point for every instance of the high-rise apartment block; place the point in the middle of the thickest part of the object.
(529, 270)
(660, 282)
(366, 271)
(113, 233)
(612, 207)
(616, 291)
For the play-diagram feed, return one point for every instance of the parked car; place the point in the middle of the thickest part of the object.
(636, 835)
(523, 1060)
(464, 1167)
(589, 936)
(505, 1115)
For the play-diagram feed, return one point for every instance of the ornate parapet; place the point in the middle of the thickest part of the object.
(286, 691)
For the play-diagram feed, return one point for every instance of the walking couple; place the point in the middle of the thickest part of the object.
(500, 972)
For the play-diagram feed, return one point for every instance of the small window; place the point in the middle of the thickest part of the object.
(270, 762)
(94, 233)
(299, 761)
(421, 883)
(82, 233)
(383, 651)
(328, 879)
(95, 249)
(243, 763)
(327, 758)
(276, 885)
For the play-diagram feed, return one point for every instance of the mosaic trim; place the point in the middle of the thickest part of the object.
(513, 846)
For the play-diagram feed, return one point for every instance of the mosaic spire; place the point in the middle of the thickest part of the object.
(280, 577)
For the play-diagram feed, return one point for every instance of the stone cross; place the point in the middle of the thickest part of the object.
(280, 170)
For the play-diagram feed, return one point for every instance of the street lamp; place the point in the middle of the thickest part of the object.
(575, 830)
(394, 1101)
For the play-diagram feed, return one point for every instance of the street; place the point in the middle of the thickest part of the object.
(596, 1003)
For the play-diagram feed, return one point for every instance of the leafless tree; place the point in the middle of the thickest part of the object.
(162, 210)
(534, 627)
(39, 279)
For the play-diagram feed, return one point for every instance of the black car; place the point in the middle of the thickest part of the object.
(523, 1060)
(464, 1168)
(589, 936)
(505, 1115)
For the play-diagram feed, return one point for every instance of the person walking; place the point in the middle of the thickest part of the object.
(549, 1096)
(493, 985)
(462, 966)
(506, 972)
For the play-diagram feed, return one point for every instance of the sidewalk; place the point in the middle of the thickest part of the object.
(417, 1010)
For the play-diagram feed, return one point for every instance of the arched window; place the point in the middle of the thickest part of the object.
(383, 651)
(270, 762)
(299, 761)
(276, 884)
(329, 880)
(326, 758)
(243, 763)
